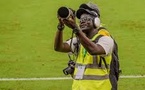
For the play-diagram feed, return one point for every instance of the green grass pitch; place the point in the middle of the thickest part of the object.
(27, 30)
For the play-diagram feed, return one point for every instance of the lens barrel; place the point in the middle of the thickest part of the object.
(64, 12)
(68, 70)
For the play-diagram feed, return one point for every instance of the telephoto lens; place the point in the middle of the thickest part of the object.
(64, 12)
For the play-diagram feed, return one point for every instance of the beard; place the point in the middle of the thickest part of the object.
(86, 28)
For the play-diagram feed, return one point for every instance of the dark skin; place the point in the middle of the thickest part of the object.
(86, 32)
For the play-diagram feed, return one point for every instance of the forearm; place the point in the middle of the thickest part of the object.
(86, 42)
(90, 46)
(58, 42)
(59, 45)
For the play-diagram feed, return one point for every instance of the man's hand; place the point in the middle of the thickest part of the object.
(71, 20)
(60, 25)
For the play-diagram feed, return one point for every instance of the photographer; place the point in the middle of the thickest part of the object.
(90, 72)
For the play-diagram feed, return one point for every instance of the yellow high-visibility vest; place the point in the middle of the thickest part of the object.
(94, 77)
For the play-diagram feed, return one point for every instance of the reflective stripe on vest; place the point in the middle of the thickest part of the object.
(92, 69)
(92, 66)
(94, 77)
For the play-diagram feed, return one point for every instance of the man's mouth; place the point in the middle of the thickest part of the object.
(84, 26)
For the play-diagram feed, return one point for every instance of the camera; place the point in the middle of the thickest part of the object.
(65, 12)
(70, 68)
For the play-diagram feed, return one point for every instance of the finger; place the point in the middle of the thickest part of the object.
(60, 20)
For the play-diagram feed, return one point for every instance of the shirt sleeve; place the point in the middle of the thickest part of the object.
(72, 42)
(107, 43)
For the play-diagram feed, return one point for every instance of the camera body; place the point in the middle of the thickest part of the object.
(65, 12)
(70, 68)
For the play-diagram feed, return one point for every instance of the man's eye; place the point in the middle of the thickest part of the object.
(89, 19)
(82, 20)
(85, 19)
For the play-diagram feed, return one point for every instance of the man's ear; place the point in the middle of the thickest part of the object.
(96, 22)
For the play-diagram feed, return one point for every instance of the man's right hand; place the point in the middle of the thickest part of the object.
(60, 25)
(70, 22)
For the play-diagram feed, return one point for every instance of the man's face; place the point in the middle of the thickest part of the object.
(86, 22)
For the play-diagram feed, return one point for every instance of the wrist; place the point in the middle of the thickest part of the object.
(60, 27)
(76, 30)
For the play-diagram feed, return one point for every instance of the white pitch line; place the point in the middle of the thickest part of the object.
(132, 76)
(60, 78)
(34, 79)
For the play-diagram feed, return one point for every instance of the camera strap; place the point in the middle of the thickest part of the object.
(71, 43)
(72, 35)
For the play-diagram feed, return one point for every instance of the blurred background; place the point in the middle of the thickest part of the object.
(27, 31)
